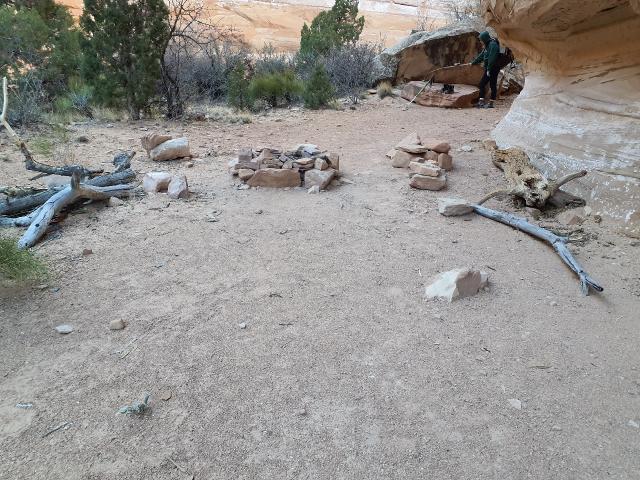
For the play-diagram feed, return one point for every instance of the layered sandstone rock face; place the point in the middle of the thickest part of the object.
(580, 108)
(279, 22)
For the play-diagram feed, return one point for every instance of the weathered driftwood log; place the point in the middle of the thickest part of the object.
(525, 180)
(122, 174)
(558, 243)
(68, 195)
(14, 206)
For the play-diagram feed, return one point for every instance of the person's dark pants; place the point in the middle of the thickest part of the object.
(492, 80)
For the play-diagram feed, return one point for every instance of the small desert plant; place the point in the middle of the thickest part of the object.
(19, 265)
(318, 91)
(238, 88)
(269, 60)
(351, 69)
(275, 89)
(385, 89)
(26, 100)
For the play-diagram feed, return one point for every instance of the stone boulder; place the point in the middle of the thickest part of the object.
(149, 142)
(417, 56)
(275, 178)
(464, 96)
(178, 187)
(171, 150)
(454, 207)
(457, 284)
(424, 182)
(319, 178)
(154, 182)
(580, 107)
(465, 74)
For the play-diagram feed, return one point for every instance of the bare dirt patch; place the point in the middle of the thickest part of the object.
(342, 369)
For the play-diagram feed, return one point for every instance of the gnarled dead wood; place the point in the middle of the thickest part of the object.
(66, 170)
(68, 195)
(14, 206)
(526, 181)
(558, 243)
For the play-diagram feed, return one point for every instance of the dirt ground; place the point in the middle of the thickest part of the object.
(344, 370)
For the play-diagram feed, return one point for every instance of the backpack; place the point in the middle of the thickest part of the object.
(505, 57)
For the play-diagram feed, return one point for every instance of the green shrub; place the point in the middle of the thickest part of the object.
(318, 91)
(238, 88)
(275, 89)
(19, 265)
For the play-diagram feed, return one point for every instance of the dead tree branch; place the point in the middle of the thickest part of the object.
(558, 243)
(67, 196)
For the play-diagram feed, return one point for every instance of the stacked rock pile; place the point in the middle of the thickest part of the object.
(426, 159)
(304, 165)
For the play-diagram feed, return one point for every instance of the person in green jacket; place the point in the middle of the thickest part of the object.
(489, 58)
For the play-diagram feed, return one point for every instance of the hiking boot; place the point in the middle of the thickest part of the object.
(480, 104)
(488, 105)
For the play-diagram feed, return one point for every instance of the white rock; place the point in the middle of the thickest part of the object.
(314, 189)
(633, 423)
(454, 207)
(170, 150)
(117, 324)
(156, 181)
(456, 284)
(515, 403)
(242, 326)
(321, 178)
(178, 187)
(466, 148)
(64, 329)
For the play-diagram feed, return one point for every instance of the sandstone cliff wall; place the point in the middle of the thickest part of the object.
(580, 108)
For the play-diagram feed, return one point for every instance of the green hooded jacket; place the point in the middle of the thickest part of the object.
(489, 55)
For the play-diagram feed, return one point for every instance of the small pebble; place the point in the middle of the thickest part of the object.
(64, 329)
(259, 212)
(553, 304)
(242, 325)
(301, 412)
(190, 165)
(117, 324)
(165, 395)
(515, 403)
(633, 423)
(87, 251)
(556, 428)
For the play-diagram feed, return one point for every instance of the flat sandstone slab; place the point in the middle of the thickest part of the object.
(463, 97)
(275, 178)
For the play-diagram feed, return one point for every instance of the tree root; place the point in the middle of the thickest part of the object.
(526, 181)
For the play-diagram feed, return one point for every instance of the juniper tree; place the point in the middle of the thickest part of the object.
(332, 28)
(122, 47)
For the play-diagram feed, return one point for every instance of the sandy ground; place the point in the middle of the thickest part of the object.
(344, 370)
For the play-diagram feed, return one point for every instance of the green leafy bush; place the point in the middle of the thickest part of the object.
(275, 89)
(318, 91)
(19, 265)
